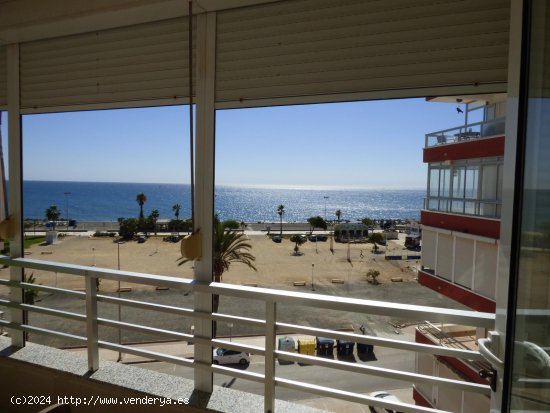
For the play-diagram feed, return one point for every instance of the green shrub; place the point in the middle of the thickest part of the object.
(368, 222)
(128, 228)
(372, 276)
(376, 238)
(231, 224)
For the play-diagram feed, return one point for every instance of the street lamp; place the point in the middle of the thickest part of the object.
(326, 197)
(67, 207)
(230, 325)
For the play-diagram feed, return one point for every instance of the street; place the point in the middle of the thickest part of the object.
(353, 382)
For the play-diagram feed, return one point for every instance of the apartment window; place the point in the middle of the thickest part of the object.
(471, 187)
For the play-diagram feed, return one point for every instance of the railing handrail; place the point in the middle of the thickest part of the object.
(450, 198)
(356, 305)
(449, 206)
(469, 125)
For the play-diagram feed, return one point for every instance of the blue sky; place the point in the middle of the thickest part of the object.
(376, 144)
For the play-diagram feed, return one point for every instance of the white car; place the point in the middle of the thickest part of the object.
(382, 395)
(225, 356)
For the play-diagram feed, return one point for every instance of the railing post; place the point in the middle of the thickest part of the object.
(204, 186)
(270, 338)
(15, 187)
(91, 322)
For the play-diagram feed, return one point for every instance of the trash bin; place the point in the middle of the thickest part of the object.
(325, 346)
(306, 346)
(363, 348)
(286, 344)
(345, 347)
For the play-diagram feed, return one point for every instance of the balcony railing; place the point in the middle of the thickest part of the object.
(464, 341)
(466, 132)
(489, 208)
(270, 298)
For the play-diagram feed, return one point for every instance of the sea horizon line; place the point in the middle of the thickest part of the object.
(250, 186)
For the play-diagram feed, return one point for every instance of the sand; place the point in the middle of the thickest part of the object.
(277, 266)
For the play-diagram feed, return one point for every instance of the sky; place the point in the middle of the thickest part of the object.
(374, 144)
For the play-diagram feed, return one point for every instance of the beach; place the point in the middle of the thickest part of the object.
(276, 265)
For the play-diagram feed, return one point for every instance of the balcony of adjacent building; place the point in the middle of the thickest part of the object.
(480, 136)
(457, 337)
(484, 117)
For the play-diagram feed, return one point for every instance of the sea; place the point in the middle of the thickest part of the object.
(107, 201)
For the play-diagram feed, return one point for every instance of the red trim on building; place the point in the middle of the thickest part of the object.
(420, 400)
(421, 338)
(463, 223)
(457, 364)
(477, 148)
(462, 295)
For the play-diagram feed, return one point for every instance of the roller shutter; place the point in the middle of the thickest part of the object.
(141, 62)
(429, 248)
(486, 269)
(444, 256)
(464, 262)
(3, 78)
(323, 47)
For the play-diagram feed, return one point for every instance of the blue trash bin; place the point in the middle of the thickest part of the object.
(345, 347)
(363, 348)
(325, 346)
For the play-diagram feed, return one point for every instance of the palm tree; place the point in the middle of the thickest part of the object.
(141, 199)
(52, 214)
(30, 294)
(229, 247)
(338, 214)
(281, 211)
(176, 208)
(299, 240)
(155, 214)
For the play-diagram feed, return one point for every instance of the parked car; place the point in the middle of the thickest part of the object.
(412, 242)
(277, 239)
(317, 237)
(174, 237)
(141, 239)
(386, 397)
(225, 356)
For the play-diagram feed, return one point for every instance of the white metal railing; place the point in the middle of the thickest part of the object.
(271, 298)
(466, 132)
(487, 208)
